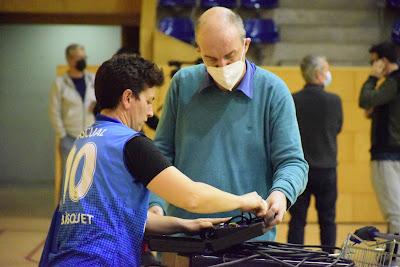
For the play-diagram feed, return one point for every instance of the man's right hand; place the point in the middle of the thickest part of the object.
(253, 202)
(368, 113)
(156, 210)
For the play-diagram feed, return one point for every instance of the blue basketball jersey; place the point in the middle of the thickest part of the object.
(103, 209)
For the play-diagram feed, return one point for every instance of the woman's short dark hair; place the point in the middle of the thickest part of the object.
(123, 72)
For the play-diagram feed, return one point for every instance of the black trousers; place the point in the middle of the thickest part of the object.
(322, 183)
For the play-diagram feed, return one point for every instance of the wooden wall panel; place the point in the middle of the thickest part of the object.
(110, 12)
(71, 6)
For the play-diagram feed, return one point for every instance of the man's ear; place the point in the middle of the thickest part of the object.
(318, 75)
(247, 43)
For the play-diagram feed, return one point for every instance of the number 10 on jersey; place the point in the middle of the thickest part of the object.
(88, 154)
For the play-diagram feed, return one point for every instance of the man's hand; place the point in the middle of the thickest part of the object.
(277, 204)
(253, 202)
(156, 210)
(368, 113)
(378, 69)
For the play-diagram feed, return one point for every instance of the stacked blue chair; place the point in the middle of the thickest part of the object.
(393, 3)
(177, 3)
(396, 32)
(256, 4)
(213, 3)
(178, 27)
(261, 30)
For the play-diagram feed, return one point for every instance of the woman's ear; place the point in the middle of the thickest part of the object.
(126, 98)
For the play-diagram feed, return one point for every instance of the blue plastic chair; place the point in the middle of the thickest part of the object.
(177, 3)
(261, 30)
(396, 32)
(213, 3)
(178, 27)
(255, 4)
(393, 3)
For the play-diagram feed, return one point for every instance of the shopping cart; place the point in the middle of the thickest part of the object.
(369, 253)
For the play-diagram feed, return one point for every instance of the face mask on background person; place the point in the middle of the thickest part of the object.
(81, 64)
(228, 75)
(328, 79)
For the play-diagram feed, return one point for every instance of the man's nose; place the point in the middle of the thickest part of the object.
(223, 62)
(150, 113)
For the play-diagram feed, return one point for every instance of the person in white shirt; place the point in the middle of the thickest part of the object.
(72, 99)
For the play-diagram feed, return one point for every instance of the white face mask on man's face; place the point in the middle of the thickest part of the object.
(228, 75)
(328, 79)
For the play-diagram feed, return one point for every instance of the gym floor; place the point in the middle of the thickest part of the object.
(25, 213)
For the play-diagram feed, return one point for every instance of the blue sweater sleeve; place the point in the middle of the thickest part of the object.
(165, 135)
(289, 166)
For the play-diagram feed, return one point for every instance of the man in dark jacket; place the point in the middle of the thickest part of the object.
(319, 114)
(383, 105)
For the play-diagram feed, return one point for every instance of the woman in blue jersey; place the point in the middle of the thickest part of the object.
(102, 214)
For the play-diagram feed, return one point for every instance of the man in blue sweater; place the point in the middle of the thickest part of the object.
(232, 124)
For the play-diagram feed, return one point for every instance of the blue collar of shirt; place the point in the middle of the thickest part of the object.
(245, 85)
(101, 117)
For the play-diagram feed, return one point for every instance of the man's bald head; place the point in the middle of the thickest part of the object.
(221, 37)
(219, 19)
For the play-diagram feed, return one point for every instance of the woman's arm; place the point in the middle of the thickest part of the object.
(176, 188)
(158, 224)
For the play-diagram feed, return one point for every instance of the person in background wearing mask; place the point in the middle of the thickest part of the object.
(232, 124)
(383, 101)
(320, 119)
(72, 99)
